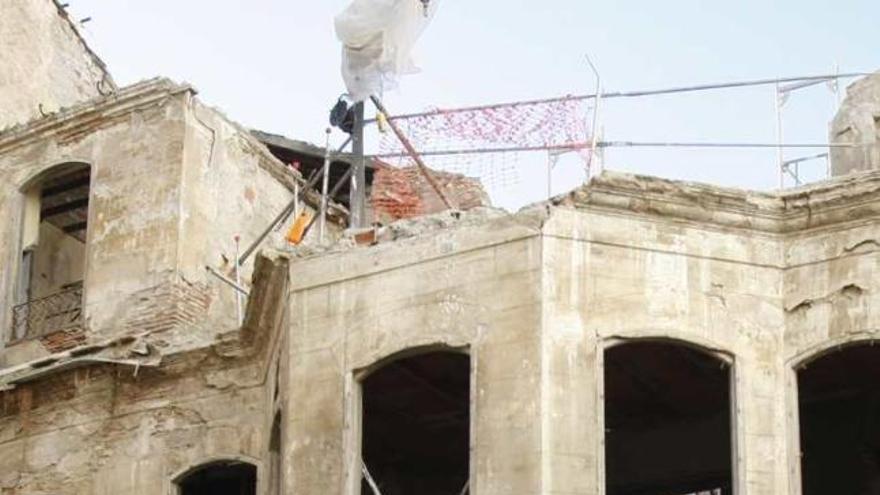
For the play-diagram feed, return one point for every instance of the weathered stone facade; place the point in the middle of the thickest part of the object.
(163, 171)
(857, 123)
(159, 378)
(46, 64)
(766, 281)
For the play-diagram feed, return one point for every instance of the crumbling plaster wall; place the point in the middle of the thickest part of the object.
(610, 279)
(476, 289)
(831, 289)
(135, 157)
(764, 282)
(104, 431)
(857, 122)
(58, 261)
(760, 281)
(231, 186)
(109, 429)
(172, 182)
(44, 62)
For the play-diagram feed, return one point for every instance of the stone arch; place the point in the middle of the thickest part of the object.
(405, 352)
(242, 468)
(835, 430)
(664, 397)
(686, 339)
(51, 263)
(414, 412)
(40, 174)
(820, 350)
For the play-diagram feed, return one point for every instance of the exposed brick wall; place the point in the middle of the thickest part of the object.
(405, 193)
(168, 306)
(63, 340)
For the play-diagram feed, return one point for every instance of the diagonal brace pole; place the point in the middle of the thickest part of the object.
(426, 172)
(369, 478)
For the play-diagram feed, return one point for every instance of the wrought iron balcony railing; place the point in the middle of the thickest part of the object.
(58, 312)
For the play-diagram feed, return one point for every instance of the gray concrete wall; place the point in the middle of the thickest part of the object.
(760, 281)
(477, 289)
(44, 62)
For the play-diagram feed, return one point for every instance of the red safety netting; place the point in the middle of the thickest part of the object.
(488, 142)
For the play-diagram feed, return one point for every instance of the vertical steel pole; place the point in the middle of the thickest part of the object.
(358, 189)
(296, 195)
(780, 157)
(325, 184)
(594, 143)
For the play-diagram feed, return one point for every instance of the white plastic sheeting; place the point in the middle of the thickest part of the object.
(378, 37)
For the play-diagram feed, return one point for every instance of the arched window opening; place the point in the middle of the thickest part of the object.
(416, 426)
(839, 402)
(53, 252)
(667, 421)
(220, 478)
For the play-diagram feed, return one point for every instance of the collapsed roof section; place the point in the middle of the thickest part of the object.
(309, 159)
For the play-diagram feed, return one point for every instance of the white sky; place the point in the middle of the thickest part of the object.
(274, 65)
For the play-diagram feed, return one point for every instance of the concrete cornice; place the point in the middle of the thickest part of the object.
(83, 118)
(840, 200)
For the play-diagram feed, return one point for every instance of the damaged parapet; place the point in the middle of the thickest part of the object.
(857, 122)
(45, 63)
(401, 193)
(116, 241)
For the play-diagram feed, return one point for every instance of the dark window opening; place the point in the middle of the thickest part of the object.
(667, 421)
(221, 478)
(839, 401)
(53, 252)
(416, 425)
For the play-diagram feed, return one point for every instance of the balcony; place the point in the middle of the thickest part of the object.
(61, 311)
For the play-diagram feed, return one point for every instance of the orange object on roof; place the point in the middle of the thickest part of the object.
(298, 229)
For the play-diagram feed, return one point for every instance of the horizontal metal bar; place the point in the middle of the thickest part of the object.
(618, 144)
(227, 281)
(613, 144)
(805, 159)
(631, 94)
(801, 85)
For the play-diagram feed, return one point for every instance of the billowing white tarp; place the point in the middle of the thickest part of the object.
(377, 40)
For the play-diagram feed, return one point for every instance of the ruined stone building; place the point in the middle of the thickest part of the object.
(637, 336)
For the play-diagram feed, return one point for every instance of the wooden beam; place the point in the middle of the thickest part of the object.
(76, 227)
(64, 208)
(66, 187)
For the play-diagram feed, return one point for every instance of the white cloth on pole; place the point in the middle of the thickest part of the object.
(377, 40)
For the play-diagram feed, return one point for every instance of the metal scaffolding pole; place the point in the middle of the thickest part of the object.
(358, 189)
(325, 184)
(635, 94)
(411, 151)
